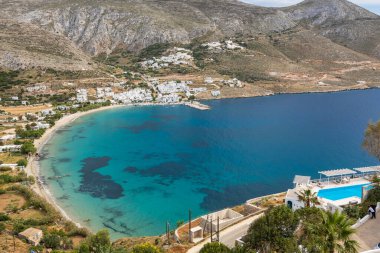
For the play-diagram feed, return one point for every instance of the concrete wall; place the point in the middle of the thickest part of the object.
(227, 217)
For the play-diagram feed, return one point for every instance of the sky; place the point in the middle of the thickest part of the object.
(372, 5)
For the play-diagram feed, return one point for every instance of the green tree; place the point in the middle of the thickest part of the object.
(52, 241)
(2, 227)
(308, 197)
(215, 247)
(375, 180)
(4, 217)
(333, 234)
(28, 148)
(84, 248)
(274, 232)
(22, 162)
(306, 233)
(372, 139)
(145, 248)
(100, 242)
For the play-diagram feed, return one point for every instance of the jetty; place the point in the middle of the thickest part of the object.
(198, 105)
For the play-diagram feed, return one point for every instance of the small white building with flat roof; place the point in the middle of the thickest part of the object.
(32, 235)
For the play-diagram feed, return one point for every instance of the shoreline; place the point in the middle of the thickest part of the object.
(33, 168)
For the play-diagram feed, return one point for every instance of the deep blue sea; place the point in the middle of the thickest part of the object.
(132, 169)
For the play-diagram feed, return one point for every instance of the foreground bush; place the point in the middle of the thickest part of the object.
(145, 248)
(215, 247)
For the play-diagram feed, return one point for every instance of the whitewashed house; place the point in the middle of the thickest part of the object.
(82, 95)
(7, 137)
(10, 148)
(40, 125)
(215, 93)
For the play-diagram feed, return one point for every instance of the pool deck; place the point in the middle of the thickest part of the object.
(354, 181)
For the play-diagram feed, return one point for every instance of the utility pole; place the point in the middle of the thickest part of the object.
(211, 229)
(168, 232)
(217, 235)
(189, 225)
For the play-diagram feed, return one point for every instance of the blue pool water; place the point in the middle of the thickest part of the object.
(132, 169)
(342, 192)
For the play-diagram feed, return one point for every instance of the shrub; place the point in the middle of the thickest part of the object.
(28, 147)
(154, 50)
(4, 169)
(145, 248)
(29, 134)
(100, 242)
(352, 212)
(22, 162)
(4, 217)
(215, 247)
(2, 227)
(52, 241)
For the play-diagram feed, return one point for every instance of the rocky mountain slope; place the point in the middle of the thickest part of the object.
(103, 26)
(24, 46)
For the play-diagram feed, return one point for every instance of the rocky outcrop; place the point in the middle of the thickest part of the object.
(23, 46)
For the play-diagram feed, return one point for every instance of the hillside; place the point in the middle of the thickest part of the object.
(330, 42)
(102, 26)
(25, 45)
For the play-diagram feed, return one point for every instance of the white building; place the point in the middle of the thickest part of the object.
(10, 148)
(62, 107)
(172, 87)
(134, 96)
(82, 95)
(47, 112)
(36, 88)
(40, 125)
(168, 99)
(233, 83)
(215, 93)
(209, 80)
(104, 92)
(14, 98)
(181, 56)
(232, 45)
(7, 137)
(32, 235)
(213, 45)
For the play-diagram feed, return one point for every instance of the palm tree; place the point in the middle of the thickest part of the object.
(375, 180)
(372, 139)
(308, 197)
(335, 231)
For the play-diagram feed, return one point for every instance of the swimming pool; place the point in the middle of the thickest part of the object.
(342, 192)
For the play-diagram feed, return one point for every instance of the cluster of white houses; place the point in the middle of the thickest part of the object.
(223, 45)
(165, 92)
(180, 56)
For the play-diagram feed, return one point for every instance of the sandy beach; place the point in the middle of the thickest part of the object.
(33, 167)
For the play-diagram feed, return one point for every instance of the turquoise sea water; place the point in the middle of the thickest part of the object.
(132, 169)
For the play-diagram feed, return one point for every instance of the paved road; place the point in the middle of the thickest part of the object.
(368, 235)
(229, 235)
